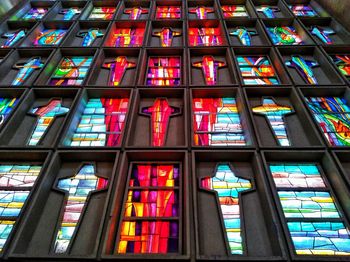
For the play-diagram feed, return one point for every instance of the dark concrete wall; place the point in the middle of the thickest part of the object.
(339, 9)
(7, 5)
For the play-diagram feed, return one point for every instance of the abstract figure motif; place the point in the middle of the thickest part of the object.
(228, 187)
(210, 68)
(69, 13)
(45, 117)
(315, 224)
(13, 38)
(102, 13)
(117, 68)
(257, 70)
(160, 113)
(89, 36)
(274, 114)
(166, 36)
(304, 68)
(244, 35)
(6, 107)
(323, 34)
(26, 69)
(284, 35)
(77, 190)
(16, 182)
(50, 37)
(135, 12)
(333, 117)
(230, 11)
(303, 10)
(201, 11)
(101, 123)
(71, 71)
(205, 36)
(164, 71)
(268, 11)
(150, 223)
(216, 122)
(127, 37)
(343, 63)
(35, 13)
(168, 12)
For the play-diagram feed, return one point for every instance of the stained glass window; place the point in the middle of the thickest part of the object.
(16, 182)
(304, 68)
(166, 36)
(257, 70)
(210, 68)
(323, 34)
(205, 36)
(343, 64)
(315, 224)
(6, 107)
(89, 36)
(228, 187)
(160, 113)
(268, 11)
(136, 12)
(50, 37)
(71, 71)
(333, 117)
(102, 13)
(168, 12)
(151, 218)
(45, 117)
(284, 35)
(117, 67)
(127, 37)
(164, 71)
(70, 13)
(101, 123)
(26, 69)
(13, 37)
(216, 122)
(230, 11)
(77, 189)
(303, 10)
(201, 11)
(274, 114)
(35, 13)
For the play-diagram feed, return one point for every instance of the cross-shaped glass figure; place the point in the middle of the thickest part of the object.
(166, 36)
(210, 68)
(13, 38)
(26, 69)
(89, 36)
(118, 67)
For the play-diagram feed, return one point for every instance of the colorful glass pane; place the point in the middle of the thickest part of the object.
(16, 182)
(333, 117)
(274, 114)
(323, 33)
(304, 68)
(101, 123)
(70, 13)
(210, 68)
(35, 13)
(140, 231)
(168, 12)
(216, 122)
(284, 35)
(13, 37)
(160, 113)
(164, 71)
(127, 37)
(89, 36)
(50, 37)
(136, 12)
(228, 187)
(208, 36)
(45, 117)
(26, 69)
(6, 107)
(303, 10)
(343, 64)
(102, 13)
(268, 11)
(71, 71)
(166, 36)
(244, 35)
(117, 67)
(324, 232)
(230, 11)
(77, 190)
(201, 11)
(257, 70)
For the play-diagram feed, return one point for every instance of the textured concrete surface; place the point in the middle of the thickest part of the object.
(339, 9)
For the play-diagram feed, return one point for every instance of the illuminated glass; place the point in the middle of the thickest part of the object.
(303, 10)
(150, 222)
(70, 13)
(160, 113)
(166, 36)
(45, 117)
(216, 122)
(208, 36)
(274, 114)
(101, 123)
(26, 69)
(102, 13)
(343, 64)
(323, 34)
(127, 37)
(163, 71)
(228, 187)
(244, 35)
(77, 188)
(135, 13)
(6, 107)
(50, 37)
(315, 224)
(13, 38)
(89, 36)
(284, 35)
(117, 68)
(268, 11)
(201, 11)
(304, 68)
(230, 11)
(333, 117)
(35, 13)
(71, 71)
(257, 70)
(210, 68)
(16, 182)
(168, 12)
